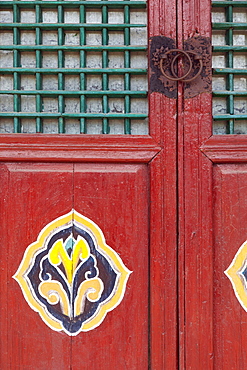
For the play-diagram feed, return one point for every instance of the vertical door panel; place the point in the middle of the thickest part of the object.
(142, 331)
(195, 204)
(115, 197)
(32, 195)
(230, 215)
(163, 220)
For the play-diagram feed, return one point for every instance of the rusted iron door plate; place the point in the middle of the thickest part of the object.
(159, 83)
(196, 64)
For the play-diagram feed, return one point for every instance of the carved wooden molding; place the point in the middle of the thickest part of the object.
(74, 148)
(226, 148)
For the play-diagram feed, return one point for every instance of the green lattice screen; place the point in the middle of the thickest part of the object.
(73, 67)
(230, 62)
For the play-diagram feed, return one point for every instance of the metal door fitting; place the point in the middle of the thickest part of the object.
(190, 66)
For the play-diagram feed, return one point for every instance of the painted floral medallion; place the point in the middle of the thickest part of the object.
(71, 276)
(237, 273)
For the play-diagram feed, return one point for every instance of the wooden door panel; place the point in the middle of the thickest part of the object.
(115, 197)
(32, 195)
(230, 226)
(195, 268)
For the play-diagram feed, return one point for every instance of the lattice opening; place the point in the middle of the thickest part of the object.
(73, 67)
(229, 67)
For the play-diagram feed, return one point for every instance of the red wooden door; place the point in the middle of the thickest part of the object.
(170, 204)
(120, 191)
(212, 218)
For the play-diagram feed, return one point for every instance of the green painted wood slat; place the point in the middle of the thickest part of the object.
(229, 71)
(61, 71)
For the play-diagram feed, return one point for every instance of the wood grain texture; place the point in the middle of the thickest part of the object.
(163, 271)
(31, 178)
(195, 207)
(33, 195)
(226, 148)
(163, 208)
(127, 185)
(4, 176)
(230, 215)
(77, 148)
(196, 249)
(116, 198)
(162, 118)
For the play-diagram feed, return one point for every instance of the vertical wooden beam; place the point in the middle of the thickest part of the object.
(163, 233)
(195, 206)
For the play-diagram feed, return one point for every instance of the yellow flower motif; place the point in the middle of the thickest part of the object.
(58, 255)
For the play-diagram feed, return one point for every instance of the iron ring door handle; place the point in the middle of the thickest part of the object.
(196, 57)
(172, 64)
(175, 78)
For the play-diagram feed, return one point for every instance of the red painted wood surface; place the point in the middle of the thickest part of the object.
(172, 204)
(195, 207)
(116, 197)
(163, 230)
(230, 231)
(212, 223)
(226, 148)
(31, 196)
(119, 197)
(77, 148)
